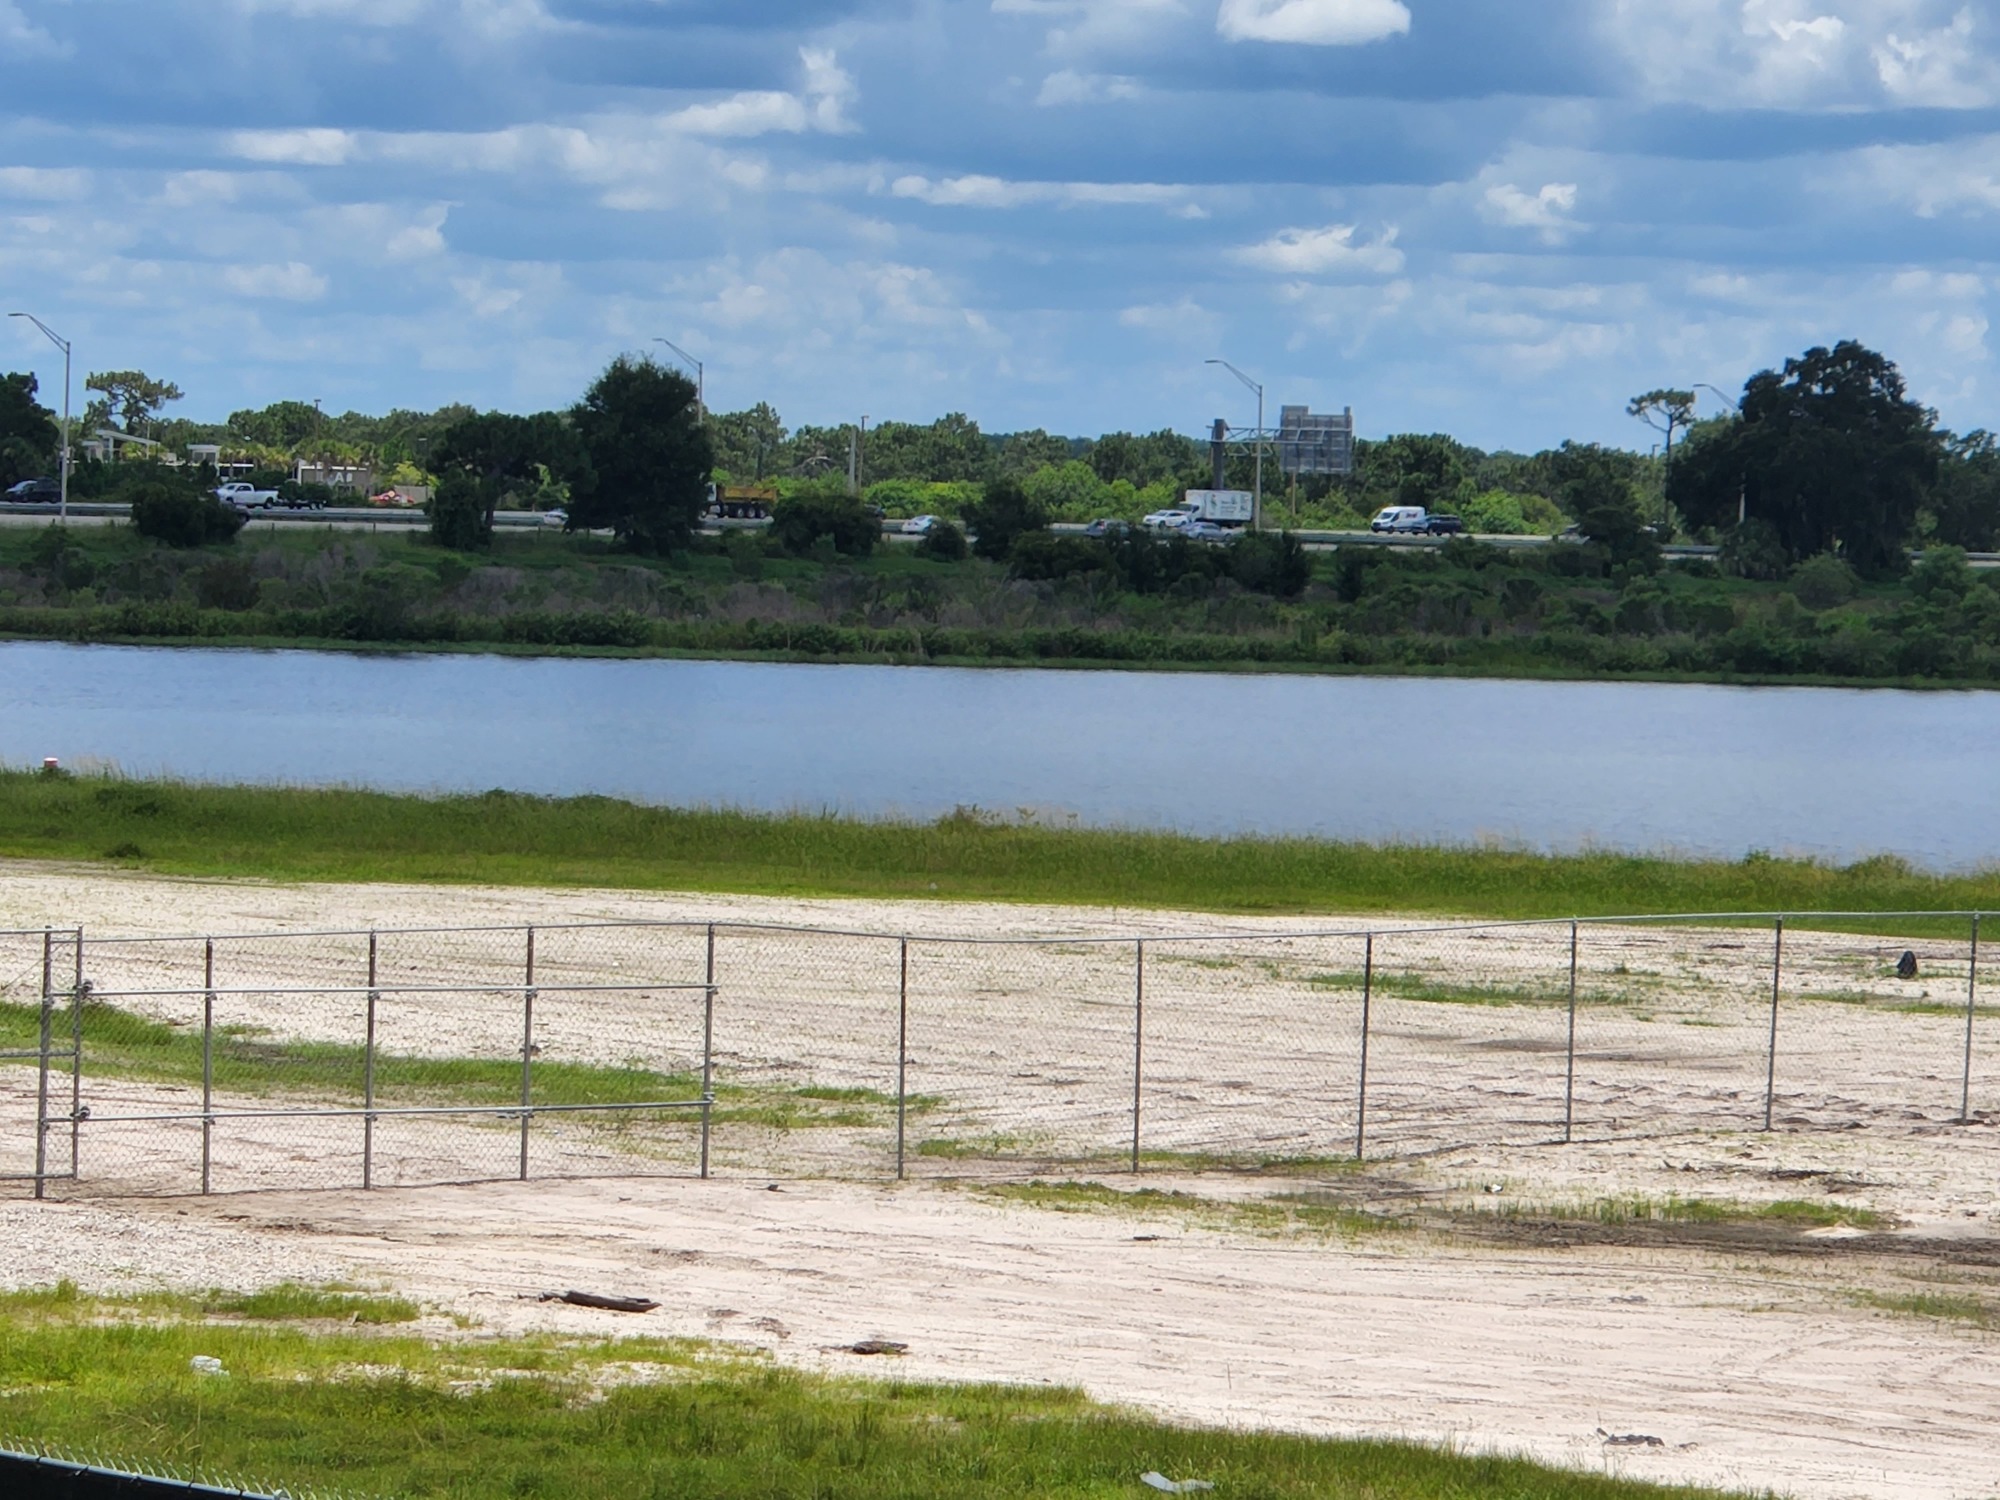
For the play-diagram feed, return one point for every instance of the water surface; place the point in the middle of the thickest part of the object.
(1838, 773)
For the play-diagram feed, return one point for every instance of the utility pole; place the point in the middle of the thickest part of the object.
(62, 498)
(700, 391)
(1257, 502)
(855, 437)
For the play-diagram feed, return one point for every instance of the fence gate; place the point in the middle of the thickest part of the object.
(41, 1019)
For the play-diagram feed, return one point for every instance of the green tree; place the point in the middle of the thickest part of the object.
(800, 520)
(1004, 515)
(29, 433)
(175, 512)
(1418, 469)
(1596, 486)
(646, 456)
(132, 396)
(1831, 454)
(748, 444)
(283, 425)
(481, 460)
(1965, 500)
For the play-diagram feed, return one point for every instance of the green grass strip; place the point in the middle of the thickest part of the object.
(394, 1414)
(343, 834)
(119, 1044)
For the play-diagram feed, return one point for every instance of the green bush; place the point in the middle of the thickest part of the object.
(801, 520)
(944, 542)
(1824, 581)
(179, 515)
(1006, 514)
(1271, 562)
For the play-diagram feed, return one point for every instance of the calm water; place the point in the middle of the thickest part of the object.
(1553, 765)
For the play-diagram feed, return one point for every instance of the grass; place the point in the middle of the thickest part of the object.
(1944, 1307)
(1307, 1213)
(119, 1044)
(640, 1419)
(346, 834)
(1793, 1213)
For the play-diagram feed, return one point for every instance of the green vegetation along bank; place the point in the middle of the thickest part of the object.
(1563, 610)
(508, 839)
(333, 1390)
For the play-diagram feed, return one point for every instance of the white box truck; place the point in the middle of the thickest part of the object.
(1224, 507)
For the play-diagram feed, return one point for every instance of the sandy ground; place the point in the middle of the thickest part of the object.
(1751, 1362)
(1751, 1374)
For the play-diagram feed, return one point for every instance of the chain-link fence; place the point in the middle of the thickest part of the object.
(397, 1057)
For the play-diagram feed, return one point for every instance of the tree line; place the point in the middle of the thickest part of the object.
(1828, 455)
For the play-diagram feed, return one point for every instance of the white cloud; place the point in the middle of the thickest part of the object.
(1066, 86)
(1184, 320)
(23, 38)
(1320, 252)
(1319, 23)
(1547, 209)
(318, 147)
(1089, 26)
(978, 191)
(294, 281)
(1807, 53)
(820, 105)
(50, 184)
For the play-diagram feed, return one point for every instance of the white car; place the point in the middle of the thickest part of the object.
(919, 525)
(1168, 520)
(556, 517)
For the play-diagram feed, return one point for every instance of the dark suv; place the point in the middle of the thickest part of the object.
(35, 492)
(1445, 526)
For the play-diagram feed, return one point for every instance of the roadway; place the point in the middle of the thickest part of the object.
(396, 519)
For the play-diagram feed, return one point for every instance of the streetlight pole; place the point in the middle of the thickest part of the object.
(62, 502)
(700, 395)
(1257, 503)
(1742, 494)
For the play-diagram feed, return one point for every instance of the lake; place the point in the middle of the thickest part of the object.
(1831, 772)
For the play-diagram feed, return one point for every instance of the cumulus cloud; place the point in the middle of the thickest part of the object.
(1321, 252)
(1318, 23)
(1547, 210)
(50, 184)
(820, 105)
(23, 38)
(1088, 26)
(1807, 53)
(317, 147)
(293, 281)
(1067, 86)
(978, 191)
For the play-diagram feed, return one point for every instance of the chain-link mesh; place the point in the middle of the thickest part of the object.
(421, 1056)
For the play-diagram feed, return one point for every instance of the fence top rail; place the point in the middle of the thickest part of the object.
(1080, 939)
(35, 932)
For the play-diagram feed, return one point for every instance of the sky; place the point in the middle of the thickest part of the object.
(1494, 218)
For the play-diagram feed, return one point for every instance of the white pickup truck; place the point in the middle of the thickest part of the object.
(246, 496)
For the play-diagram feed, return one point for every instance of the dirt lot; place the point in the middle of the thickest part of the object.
(1490, 1305)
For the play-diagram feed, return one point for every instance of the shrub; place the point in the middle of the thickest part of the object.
(1271, 562)
(1006, 514)
(179, 515)
(802, 520)
(1753, 550)
(1943, 576)
(944, 542)
(1822, 582)
(226, 583)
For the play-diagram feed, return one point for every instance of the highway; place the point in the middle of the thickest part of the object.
(388, 519)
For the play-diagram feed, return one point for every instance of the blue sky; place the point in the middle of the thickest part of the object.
(1497, 218)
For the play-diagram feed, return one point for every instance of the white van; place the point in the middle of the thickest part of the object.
(1400, 518)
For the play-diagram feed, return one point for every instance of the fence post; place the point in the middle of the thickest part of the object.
(207, 1060)
(902, 1049)
(1569, 1083)
(1971, 1001)
(42, 1087)
(707, 1049)
(527, 1051)
(1138, 1040)
(1777, 980)
(368, 1075)
(76, 1059)
(1367, 1000)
